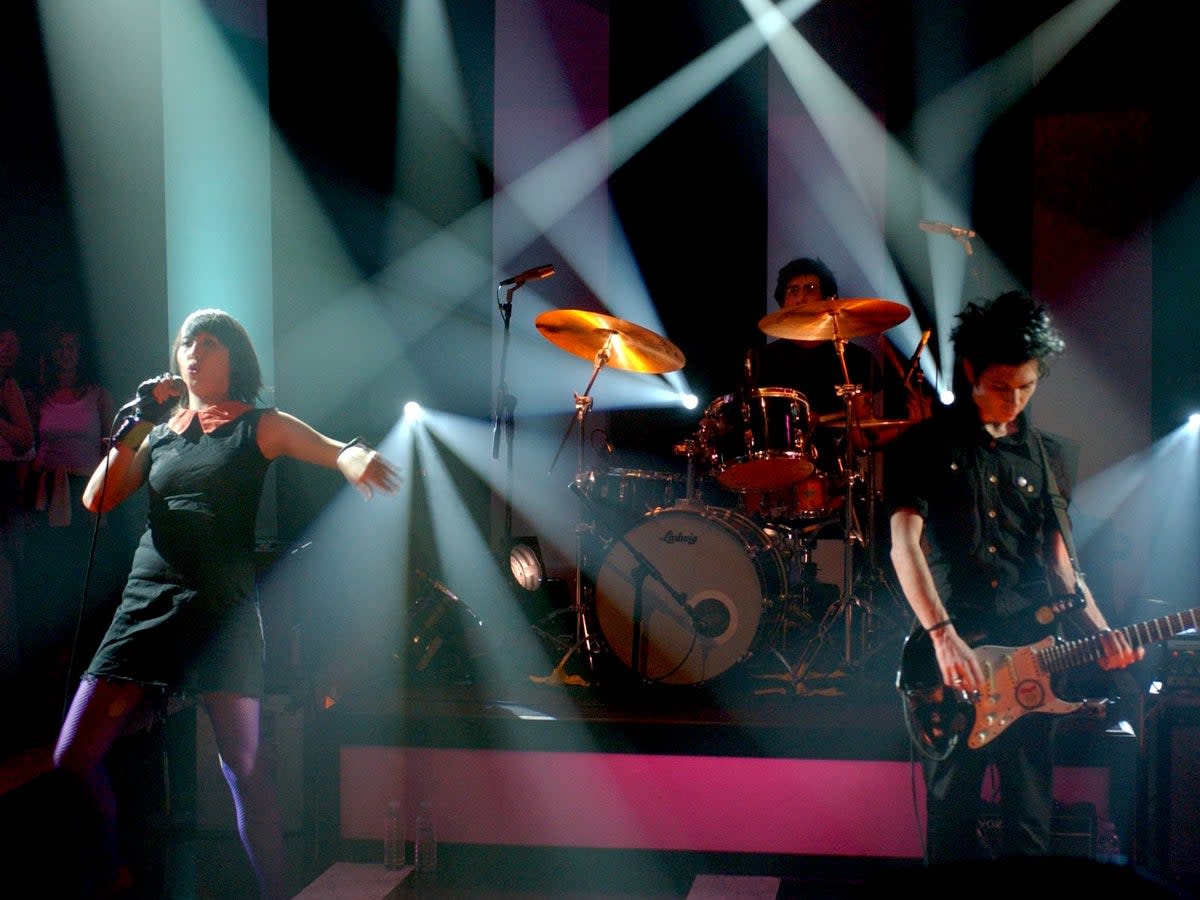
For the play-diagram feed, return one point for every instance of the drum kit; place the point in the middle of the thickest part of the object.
(686, 589)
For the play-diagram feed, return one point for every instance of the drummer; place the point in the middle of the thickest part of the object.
(812, 364)
(813, 367)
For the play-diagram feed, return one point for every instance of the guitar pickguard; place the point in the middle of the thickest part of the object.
(1014, 684)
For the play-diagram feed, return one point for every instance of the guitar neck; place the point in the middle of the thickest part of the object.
(1070, 654)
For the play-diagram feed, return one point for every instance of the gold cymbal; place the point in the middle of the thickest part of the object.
(873, 434)
(838, 420)
(827, 320)
(630, 347)
(884, 424)
(868, 434)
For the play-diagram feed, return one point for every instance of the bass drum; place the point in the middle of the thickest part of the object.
(689, 592)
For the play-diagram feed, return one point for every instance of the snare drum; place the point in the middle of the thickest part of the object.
(810, 499)
(759, 442)
(633, 492)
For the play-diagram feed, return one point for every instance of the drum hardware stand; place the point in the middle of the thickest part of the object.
(875, 580)
(688, 448)
(584, 641)
(848, 392)
(794, 547)
(804, 663)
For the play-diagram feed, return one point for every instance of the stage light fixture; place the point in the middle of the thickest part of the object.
(526, 563)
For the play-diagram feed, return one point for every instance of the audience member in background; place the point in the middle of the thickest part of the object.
(16, 447)
(72, 413)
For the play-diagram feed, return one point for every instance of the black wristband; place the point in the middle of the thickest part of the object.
(938, 626)
(357, 442)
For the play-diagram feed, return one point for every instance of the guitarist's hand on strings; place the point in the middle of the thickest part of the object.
(959, 667)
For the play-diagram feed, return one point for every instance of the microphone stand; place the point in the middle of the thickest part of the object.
(506, 405)
(638, 574)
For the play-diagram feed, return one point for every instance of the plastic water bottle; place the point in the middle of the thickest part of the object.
(393, 837)
(425, 849)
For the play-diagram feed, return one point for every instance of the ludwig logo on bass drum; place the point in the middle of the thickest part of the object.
(670, 537)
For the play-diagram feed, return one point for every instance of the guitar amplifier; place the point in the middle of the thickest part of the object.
(1169, 815)
(1181, 664)
(1072, 829)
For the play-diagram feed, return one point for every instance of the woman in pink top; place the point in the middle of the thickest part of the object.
(72, 414)
(16, 445)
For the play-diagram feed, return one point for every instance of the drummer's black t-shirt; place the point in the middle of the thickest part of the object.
(816, 371)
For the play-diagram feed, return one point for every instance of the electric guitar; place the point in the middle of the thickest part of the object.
(1017, 680)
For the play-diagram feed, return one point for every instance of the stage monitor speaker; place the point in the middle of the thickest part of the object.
(1181, 665)
(1172, 789)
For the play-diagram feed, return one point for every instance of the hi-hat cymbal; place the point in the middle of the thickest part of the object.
(838, 421)
(630, 347)
(827, 320)
(870, 434)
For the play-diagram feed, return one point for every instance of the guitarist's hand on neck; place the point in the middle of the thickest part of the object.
(1118, 652)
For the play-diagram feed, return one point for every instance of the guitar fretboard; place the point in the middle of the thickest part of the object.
(1070, 654)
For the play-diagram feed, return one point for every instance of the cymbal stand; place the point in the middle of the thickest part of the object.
(875, 579)
(848, 392)
(584, 641)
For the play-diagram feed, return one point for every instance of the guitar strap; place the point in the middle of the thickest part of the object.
(1059, 504)
(1119, 682)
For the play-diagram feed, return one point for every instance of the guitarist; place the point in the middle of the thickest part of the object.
(980, 557)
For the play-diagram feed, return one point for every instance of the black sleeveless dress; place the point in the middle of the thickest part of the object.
(188, 617)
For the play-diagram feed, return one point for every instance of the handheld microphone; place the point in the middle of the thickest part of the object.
(537, 273)
(146, 389)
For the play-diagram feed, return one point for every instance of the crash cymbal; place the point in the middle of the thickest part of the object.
(630, 347)
(829, 319)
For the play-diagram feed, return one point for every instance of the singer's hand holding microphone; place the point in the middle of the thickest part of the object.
(154, 400)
